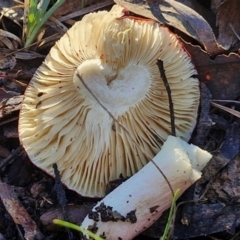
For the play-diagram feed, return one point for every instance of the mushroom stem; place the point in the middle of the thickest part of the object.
(140, 201)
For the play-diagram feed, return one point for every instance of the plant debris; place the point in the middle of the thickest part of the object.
(18, 212)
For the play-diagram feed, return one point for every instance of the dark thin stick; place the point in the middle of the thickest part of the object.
(10, 157)
(172, 121)
(61, 197)
(19, 232)
(9, 120)
(136, 144)
(171, 108)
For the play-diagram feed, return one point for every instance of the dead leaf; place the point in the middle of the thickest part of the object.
(28, 55)
(221, 75)
(67, 7)
(228, 21)
(4, 152)
(6, 42)
(73, 6)
(208, 219)
(10, 105)
(226, 184)
(228, 151)
(6, 94)
(10, 85)
(11, 10)
(204, 122)
(57, 25)
(205, 12)
(7, 61)
(86, 10)
(10, 132)
(181, 17)
(75, 213)
(18, 212)
(7, 34)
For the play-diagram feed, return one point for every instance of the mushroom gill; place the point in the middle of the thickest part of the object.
(115, 55)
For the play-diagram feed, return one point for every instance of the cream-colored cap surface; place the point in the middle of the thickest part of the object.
(115, 55)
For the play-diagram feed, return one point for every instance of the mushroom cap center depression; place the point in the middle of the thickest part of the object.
(116, 89)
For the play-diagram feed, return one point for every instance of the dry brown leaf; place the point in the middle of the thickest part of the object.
(71, 6)
(18, 213)
(86, 10)
(4, 152)
(10, 105)
(6, 94)
(67, 7)
(28, 55)
(221, 75)
(7, 61)
(6, 42)
(57, 25)
(205, 12)
(11, 9)
(75, 213)
(228, 21)
(7, 34)
(181, 17)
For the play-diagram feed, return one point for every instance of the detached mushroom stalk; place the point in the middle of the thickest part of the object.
(140, 201)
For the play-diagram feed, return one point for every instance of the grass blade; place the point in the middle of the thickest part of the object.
(37, 17)
(170, 216)
(76, 227)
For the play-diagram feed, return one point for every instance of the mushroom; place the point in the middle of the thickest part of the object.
(115, 55)
(138, 202)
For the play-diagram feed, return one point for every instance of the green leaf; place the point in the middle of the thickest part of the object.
(38, 16)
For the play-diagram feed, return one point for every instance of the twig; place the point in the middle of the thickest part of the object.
(173, 130)
(171, 108)
(61, 196)
(229, 110)
(19, 232)
(129, 135)
(10, 157)
(9, 120)
(226, 101)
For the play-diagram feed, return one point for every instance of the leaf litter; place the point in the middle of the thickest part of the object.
(228, 21)
(217, 212)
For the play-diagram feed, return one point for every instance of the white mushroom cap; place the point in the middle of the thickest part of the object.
(60, 121)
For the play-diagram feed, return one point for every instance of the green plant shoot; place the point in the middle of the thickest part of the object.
(37, 16)
(78, 228)
(170, 216)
